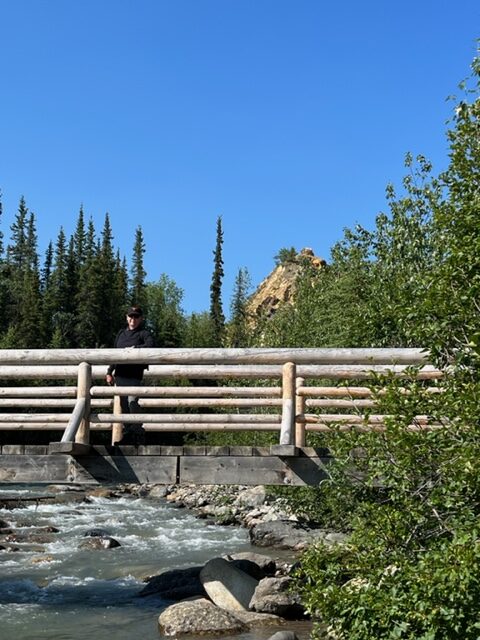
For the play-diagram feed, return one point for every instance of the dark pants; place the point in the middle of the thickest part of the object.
(133, 433)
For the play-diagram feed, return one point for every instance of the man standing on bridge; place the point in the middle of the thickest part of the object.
(134, 336)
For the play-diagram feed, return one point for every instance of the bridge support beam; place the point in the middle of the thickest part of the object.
(161, 465)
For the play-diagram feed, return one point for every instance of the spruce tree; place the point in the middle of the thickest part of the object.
(57, 298)
(238, 330)
(16, 248)
(47, 267)
(108, 298)
(216, 310)
(4, 281)
(22, 297)
(137, 291)
(1, 232)
(28, 298)
(88, 298)
(80, 239)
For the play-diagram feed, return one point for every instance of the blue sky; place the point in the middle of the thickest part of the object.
(286, 117)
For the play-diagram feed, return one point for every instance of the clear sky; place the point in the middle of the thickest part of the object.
(286, 117)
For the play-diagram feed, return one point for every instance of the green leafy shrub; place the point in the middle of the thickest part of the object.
(433, 596)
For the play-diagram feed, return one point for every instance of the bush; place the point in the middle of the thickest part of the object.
(411, 567)
(433, 596)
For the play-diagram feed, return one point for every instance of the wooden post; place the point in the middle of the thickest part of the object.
(287, 430)
(117, 427)
(83, 391)
(299, 411)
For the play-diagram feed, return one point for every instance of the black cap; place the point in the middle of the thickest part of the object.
(135, 311)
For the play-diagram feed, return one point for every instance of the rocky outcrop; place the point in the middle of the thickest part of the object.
(280, 285)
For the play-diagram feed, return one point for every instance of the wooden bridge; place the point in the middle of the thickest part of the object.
(55, 392)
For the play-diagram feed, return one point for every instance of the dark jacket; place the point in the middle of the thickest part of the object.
(138, 338)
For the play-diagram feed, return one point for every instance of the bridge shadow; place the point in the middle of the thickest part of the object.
(307, 469)
(105, 465)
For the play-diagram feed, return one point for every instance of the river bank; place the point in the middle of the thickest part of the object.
(269, 521)
(243, 590)
(52, 578)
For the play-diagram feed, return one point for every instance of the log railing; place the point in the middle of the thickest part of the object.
(257, 390)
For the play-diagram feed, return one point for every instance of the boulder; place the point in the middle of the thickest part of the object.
(63, 488)
(250, 568)
(5, 531)
(99, 542)
(254, 619)
(96, 533)
(265, 563)
(284, 635)
(176, 584)
(198, 617)
(227, 586)
(272, 596)
(251, 497)
(101, 492)
(42, 559)
(38, 538)
(284, 534)
(158, 491)
(69, 497)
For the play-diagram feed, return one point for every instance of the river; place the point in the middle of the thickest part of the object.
(58, 591)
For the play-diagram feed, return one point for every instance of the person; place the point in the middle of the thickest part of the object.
(134, 336)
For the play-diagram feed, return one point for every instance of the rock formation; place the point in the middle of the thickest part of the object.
(279, 286)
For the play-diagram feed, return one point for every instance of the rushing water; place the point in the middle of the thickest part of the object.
(57, 591)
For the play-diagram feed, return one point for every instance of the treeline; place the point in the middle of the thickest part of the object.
(76, 296)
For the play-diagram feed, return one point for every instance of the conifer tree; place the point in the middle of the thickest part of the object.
(120, 292)
(108, 299)
(28, 327)
(57, 298)
(80, 239)
(88, 299)
(137, 283)
(1, 232)
(28, 304)
(16, 247)
(216, 310)
(22, 297)
(4, 281)
(238, 331)
(47, 268)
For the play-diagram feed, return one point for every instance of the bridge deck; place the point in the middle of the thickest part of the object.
(158, 464)
(293, 394)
